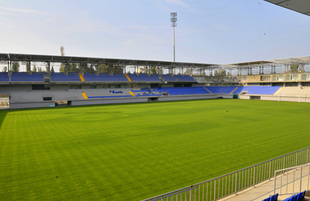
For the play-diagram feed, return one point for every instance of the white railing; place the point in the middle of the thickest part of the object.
(292, 180)
(232, 183)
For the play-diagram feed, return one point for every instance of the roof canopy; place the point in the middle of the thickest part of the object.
(4, 57)
(301, 6)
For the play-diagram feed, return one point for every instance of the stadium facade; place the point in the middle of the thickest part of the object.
(266, 80)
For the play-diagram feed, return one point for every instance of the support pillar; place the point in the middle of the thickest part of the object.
(301, 68)
(9, 66)
(48, 68)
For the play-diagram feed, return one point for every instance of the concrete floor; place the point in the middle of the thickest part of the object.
(290, 186)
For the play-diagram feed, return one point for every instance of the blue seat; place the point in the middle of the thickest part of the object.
(185, 78)
(301, 195)
(4, 77)
(259, 90)
(144, 78)
(174, 91)
(221, 90)
(294, 198)
(25, 77)
(169, 78)
(274, 197)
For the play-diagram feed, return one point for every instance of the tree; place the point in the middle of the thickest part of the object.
(73, 67)
(62, 65)
(5, 69)
(216, 73)
(222, 73)
(34, 68)
(117, 69)
(62, 51)
(294, 68)
(28, 67)
(39, 69)
(153, 70)
(101, 68)
(104, 68)
(15, 67)
(188, 71)
(62, 68)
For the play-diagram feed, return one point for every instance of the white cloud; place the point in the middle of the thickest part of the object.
(178, 2)
(21, 10)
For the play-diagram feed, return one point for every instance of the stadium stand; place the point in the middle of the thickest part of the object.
(147, 92)
(144, 78)
(221, 90)
(60, 77)
(258, 90)
(25, 77)
(105, 77)
(293, 91)
(91, 77)
(174, 91)
(185, 78)
(169, 78)
(4, 77)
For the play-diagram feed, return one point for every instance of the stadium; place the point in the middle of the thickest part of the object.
(125, 129)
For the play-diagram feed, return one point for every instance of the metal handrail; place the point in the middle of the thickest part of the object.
(289, 171)
(237, 179)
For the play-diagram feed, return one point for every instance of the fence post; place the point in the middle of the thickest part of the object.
(300, 178)
(236, 182)
(254, 176)
(296, 158)
(275, 182)
(215, 189)
(308, 155)
(270, 170)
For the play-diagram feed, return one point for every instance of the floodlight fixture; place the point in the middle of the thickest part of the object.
(173, 19)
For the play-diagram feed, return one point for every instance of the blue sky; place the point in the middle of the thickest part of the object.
(209, 31)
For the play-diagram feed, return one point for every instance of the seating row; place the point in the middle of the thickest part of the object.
(257, 90)
(296, 197)
(262, 90)
(4, 77)
(174, 91)
(272, 198)
(92, 77)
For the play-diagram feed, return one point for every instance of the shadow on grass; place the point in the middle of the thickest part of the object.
(2, 116)
(115, 104)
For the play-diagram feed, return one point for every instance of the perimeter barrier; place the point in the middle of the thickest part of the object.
(234, 182)
(292, 180)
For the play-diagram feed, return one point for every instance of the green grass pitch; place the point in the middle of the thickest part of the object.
(135, 151)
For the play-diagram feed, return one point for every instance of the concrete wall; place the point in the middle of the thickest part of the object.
(22, 96)
(291, 94)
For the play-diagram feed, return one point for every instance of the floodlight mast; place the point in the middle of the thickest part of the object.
(173, 19)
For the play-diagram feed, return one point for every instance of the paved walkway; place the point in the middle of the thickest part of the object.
(290, 182)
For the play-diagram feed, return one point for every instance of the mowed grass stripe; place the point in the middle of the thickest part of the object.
(135, 151)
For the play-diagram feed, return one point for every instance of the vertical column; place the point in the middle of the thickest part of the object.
(66, 68)
(286, 68)
(9, 66)
(301, 68)
(48, 68)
